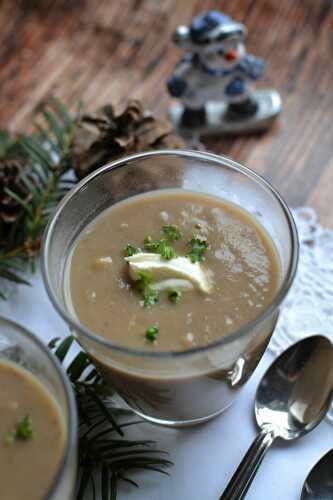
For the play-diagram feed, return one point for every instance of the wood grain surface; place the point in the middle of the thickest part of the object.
(110, 50)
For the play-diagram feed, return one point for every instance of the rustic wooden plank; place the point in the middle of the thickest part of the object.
(101, 50)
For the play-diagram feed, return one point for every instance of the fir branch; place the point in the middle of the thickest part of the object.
(7, 273)
(103, 456)
(9, 146)
(45, 155)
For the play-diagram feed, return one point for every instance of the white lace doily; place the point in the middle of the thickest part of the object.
(308, 308)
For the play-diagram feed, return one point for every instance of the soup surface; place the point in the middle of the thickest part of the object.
(32, 435)
(234, 276)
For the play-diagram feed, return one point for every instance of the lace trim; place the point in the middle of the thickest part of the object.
(308, 308)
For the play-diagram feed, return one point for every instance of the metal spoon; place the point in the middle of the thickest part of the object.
(319, 483)
(292, 398)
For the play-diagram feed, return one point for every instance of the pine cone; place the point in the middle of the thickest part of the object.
(106, 135)
(10, 210)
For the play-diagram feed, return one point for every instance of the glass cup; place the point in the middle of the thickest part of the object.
(192, 386)
(20, 346)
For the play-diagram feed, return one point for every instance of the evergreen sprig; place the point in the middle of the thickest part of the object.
(105, 456)
(45, 156)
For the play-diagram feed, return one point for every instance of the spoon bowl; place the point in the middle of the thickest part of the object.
(293, 397)
(319, 482)
(295, 392)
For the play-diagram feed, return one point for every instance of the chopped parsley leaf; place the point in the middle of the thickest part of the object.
(149, 295)
(130, 250)
(151, 333)
(174, 296)
(24, 428)
(172, 232)
(23, 431)
(166, 251)
(159, 246)
(145, 278)
(198, 248)
(151, 245)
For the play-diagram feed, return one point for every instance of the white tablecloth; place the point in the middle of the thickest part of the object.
(206, 456)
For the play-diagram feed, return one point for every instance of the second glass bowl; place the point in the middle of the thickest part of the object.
(20, 346)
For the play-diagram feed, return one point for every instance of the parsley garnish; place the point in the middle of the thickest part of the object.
(198, 248)
(144, 281)
(23, 431)
(130, 250)
(24, 428)
(151, 333)
(166, 251)
(160, 246)
(174, 296)
(172, 232)
(151, 245)
(149, 295)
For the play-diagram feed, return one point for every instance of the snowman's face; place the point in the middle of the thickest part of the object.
(224, 54)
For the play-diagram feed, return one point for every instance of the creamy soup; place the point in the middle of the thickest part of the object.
(223, 271)
(32, 435)
(172, 271)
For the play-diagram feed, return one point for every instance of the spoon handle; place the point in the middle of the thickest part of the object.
(243, 476)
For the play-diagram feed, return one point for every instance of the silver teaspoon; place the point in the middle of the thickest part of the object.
(292, 398)
(319, 483)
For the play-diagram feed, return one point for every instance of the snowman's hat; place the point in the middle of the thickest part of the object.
(208, 27)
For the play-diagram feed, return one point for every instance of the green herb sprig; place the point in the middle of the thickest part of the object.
(130, 250)
(172, 232)
(151, 333)
(142, 285)
(105, 455)
(24, 428)
(161, 247)
(198, 248)
(23, 431)
(174, 296)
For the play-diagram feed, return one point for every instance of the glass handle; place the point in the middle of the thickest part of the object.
(247, 469)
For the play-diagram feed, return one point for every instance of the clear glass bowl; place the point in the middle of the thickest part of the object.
(20, 346)
(173, 388)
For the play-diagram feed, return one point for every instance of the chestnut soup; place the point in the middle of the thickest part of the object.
(32, 435)
(170, 270)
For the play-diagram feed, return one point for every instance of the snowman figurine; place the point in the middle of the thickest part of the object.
(213, 80)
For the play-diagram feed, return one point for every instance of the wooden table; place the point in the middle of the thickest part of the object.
(109, 50)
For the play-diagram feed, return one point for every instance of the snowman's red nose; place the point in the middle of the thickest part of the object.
(231, 55)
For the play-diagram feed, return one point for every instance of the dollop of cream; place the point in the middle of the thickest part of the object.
(178, 272)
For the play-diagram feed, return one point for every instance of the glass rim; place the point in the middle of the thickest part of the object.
(71, 420)
(122, 162)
